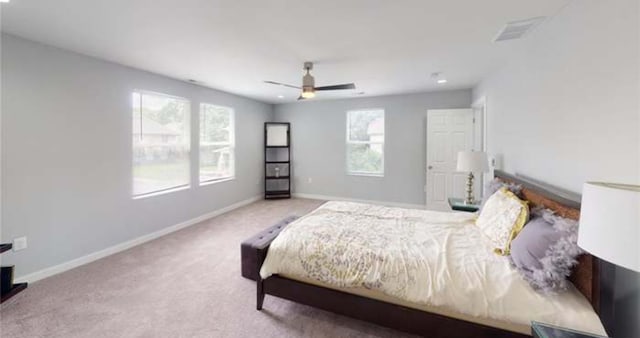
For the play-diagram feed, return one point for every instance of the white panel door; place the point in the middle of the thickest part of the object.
(448, 132)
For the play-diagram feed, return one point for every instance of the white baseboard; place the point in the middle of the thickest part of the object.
(54, 270)
(347, 199)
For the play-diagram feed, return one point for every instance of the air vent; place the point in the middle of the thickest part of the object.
(517, 29)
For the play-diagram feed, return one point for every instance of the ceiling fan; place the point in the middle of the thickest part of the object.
(308, 84)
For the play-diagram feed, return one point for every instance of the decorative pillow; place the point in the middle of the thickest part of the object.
(502, 218)
(546, 250)
(496, 184)
(532, 243)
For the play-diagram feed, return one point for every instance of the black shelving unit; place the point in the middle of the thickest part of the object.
(5, 247)
(16, 288)
(277, 161)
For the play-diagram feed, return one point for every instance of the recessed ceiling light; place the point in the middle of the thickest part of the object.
(437, 76)
(281, 96)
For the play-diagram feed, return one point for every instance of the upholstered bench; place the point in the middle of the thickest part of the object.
(253, 251)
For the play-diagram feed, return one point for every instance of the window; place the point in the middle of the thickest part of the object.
(160, 143)
(217, 143)
(365, 142)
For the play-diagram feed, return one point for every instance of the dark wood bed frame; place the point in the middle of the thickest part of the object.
(585, 277)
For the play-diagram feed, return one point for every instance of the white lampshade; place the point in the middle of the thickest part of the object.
(472, 161)
(610, 223)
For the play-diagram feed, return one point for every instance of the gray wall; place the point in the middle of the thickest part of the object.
(565, 109)
(66, 155)
(318, 130)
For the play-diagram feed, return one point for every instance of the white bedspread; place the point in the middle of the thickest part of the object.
(424, 257)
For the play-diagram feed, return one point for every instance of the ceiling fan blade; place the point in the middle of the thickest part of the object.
(282, 84)
(337, 87)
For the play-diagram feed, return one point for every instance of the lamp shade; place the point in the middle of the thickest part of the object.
(610, 223)
(472, 161)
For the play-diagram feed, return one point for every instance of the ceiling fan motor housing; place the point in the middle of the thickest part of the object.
(308, 82)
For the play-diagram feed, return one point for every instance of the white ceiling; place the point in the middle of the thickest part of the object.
(384, 46)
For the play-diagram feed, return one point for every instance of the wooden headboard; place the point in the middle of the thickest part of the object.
(585, 275)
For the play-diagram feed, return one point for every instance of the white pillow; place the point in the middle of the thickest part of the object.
(502, 218)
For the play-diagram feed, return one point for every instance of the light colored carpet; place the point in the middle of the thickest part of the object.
(186, 284)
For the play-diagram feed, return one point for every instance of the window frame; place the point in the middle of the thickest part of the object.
(232, 144)
(168, 190)
(349, 142)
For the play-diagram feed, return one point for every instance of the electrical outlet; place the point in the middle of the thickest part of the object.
(19, 243)
(309, 180)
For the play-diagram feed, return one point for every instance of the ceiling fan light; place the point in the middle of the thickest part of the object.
(308, 92)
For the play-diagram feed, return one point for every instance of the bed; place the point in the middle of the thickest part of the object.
(423, 272)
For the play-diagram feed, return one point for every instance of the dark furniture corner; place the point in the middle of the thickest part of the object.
(5, 247)
(277, 164)
(17, 288)
(253, 251)
(458, 204)
(540, 330)
(12, 289)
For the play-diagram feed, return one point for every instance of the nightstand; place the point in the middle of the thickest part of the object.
(540, 330)
(459, 205)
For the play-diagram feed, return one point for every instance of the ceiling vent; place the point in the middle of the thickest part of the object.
(517, 29)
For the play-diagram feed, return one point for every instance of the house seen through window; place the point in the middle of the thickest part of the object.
(161, 143)
(217, 143)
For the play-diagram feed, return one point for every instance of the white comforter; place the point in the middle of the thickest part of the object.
(424, 257)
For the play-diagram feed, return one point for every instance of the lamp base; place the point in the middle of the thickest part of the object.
(469, 199)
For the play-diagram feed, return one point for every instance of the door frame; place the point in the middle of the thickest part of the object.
(479, 108)
(481, 113)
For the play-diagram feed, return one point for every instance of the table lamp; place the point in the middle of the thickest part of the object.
(610, 223)
(472, 161)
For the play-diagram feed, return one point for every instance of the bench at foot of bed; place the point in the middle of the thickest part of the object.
(253, 251)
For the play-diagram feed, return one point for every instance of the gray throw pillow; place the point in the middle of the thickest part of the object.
(532, 243)
(546, 250)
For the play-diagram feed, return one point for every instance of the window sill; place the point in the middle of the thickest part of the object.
(162, 192)
(365, 174)
(220, 180)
